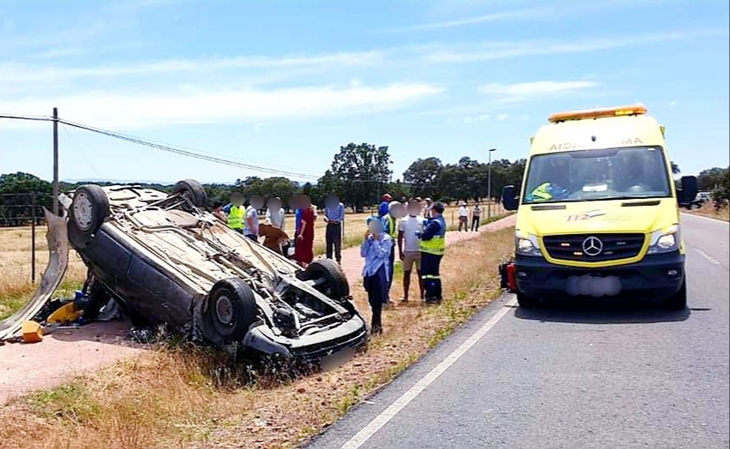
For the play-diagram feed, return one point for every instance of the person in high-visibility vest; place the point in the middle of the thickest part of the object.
(547, 191)
(433, 246)
(396, 211)
(235, 212)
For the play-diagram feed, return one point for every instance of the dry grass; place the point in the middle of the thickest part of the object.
(708, 210)
(15, 266)
(189, 397)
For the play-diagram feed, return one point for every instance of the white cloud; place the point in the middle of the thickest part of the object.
(151, 109)
(673, 103)
(493, 17)
(481, 118)
(25, 73)
(567, 9)
(536, 88)
(504, 50)
(502, 117)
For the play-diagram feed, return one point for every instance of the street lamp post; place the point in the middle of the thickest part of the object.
(489, 184)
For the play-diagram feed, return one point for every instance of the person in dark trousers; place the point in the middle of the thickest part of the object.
(433, 246)
(476, 217)
(334, 215)
(390, 226)
(375, 249)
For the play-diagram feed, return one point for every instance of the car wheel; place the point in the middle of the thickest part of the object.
(333, 281)
(193, 191)
(677, 301)
(89, 209)
(231, 309)
(527, 302)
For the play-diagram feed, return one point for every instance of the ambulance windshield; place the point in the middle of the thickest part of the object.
(593, 175)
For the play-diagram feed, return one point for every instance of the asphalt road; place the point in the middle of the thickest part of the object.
(613, 375)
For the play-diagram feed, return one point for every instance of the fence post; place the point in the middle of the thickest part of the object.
(32, 237)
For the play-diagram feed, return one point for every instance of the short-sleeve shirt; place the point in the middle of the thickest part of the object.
(409, 226)
(254, 214)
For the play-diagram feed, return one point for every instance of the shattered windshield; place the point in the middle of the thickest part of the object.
(605, 174)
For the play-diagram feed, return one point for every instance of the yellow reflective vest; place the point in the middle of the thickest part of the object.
(235, 217)
(436, 244)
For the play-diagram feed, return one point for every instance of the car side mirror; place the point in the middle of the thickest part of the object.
(688, 191)
(509, 202)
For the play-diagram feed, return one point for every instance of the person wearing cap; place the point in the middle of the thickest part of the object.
(463, 216)
(376, 248)
(383, 208)
(334, 215)
(235, 212)
(433, 246)
(390, 227)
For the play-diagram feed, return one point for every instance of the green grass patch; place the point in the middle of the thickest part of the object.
(12, 303)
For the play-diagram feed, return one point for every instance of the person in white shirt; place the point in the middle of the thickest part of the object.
(409, 244)
(463, 217)
(275, 214)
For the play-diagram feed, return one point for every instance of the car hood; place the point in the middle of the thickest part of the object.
(619, 216)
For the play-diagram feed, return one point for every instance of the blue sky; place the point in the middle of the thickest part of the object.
(283, 84)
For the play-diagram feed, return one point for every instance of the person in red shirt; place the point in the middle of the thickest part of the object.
(304, 249)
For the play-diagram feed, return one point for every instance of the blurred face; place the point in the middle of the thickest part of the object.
(414, 209)
(274, 204)
(257, 202)
(332, 201)
(237, 199)
(375, 227)
(398, 211)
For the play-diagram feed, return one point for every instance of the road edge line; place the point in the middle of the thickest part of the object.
(399, 404)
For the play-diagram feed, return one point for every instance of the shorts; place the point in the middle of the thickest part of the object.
(410, 258)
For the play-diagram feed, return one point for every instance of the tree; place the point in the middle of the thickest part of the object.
(423, 175)
(16, 196)
(721, 192)
(710, 178)
(359, 174)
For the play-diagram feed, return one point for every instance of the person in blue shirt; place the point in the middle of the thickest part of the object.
(383, 208)
(334, 215)
(396, 211)
(375, 249)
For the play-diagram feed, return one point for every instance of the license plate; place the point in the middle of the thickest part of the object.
(595, 286)
(337, 359)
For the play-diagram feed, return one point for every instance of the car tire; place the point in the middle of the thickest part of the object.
(231, 309)
(193, 191)
(527, 302)
(677, 301)
(335, 283)
(89, 208)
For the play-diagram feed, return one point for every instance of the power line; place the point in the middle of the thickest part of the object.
(168, 148)
(38, 118)
(183, 152)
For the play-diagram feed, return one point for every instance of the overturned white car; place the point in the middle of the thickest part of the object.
(165, 260)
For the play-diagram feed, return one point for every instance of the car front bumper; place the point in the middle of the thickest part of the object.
(659, 275)
(345, 336)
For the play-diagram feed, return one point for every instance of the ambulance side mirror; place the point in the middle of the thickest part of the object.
(509, 202)
(688, 191)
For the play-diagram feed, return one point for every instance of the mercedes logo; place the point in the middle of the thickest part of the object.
(592, 246)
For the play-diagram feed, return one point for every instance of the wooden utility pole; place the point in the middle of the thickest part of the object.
(55, 161)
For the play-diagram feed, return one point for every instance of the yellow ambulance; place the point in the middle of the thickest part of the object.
(598, 212)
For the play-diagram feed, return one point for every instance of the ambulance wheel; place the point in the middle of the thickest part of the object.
(677, 301)
(527, 302)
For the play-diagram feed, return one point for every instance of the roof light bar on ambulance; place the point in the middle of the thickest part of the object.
(597, 113)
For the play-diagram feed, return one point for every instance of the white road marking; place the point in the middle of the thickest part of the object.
(386, 415)
(707, 256)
